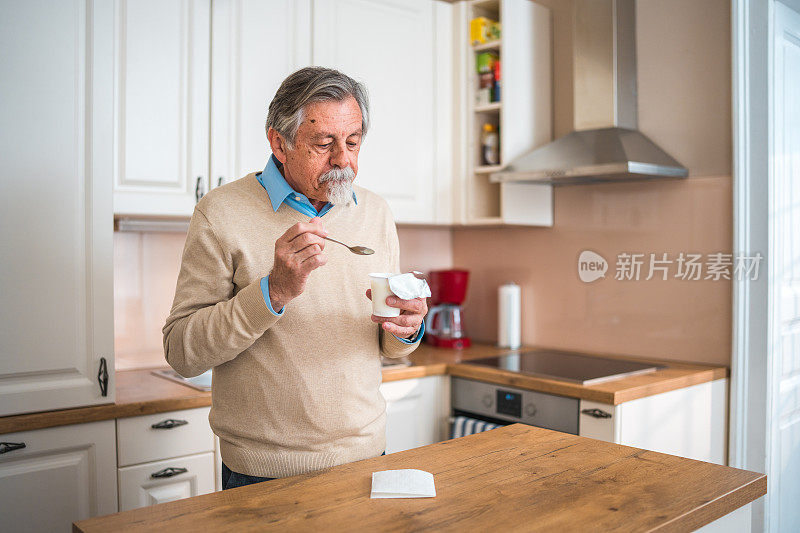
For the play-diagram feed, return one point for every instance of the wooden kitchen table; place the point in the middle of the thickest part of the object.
(515, 478)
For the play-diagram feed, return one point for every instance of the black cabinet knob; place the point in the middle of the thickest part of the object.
(6, 447)
(168, 472)
(169, 424)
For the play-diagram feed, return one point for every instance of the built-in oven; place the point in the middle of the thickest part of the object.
(502, 405)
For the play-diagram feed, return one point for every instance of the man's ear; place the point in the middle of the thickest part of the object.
(278, 145)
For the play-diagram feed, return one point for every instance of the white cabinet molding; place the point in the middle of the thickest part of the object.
(138, 487)
(390, 45)
(63, 475)
(244, 33)
(416, 412)
(161, 105)
(56, 220)
(688, 422)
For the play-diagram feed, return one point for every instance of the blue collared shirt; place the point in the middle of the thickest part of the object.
(281, 192)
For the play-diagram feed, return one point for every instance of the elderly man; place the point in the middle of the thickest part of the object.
(281, 317)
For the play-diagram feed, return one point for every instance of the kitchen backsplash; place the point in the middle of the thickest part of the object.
(146, 268)
(673, 319)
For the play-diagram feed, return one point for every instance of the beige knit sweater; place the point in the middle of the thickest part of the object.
(294, 393)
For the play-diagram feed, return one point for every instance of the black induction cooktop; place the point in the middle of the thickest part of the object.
(567, 366)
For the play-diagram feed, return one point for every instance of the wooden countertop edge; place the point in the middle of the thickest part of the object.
(696, 374)
(98, 413)
(414, 371)
(717, 508)
(573, 390)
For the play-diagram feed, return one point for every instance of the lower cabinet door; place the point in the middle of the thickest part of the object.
(411, 413)
(165, 481)
(61, 475)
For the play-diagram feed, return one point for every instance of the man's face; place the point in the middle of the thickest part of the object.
(328, 138)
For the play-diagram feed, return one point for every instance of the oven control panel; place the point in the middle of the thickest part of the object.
(510, 404)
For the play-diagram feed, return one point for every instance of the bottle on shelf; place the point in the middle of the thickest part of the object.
(490, 145)
(484, 64)
(496, 81)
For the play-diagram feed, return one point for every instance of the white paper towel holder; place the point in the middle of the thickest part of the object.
(509, 320)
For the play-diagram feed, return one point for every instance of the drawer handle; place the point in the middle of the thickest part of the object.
(597, 413)
(169, 472)
(6, 447)
(169, 423)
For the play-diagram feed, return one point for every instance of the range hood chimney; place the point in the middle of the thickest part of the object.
(605, 146)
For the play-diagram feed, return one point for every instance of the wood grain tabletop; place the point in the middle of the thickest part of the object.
(515, 478)
(138, 392)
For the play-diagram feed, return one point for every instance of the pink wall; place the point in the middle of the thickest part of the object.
(683, 50)
(674, 319)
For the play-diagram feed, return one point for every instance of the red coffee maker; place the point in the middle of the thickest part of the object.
(443, 325)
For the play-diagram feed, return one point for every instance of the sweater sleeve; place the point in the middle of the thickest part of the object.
(209, 324)
(391, 346)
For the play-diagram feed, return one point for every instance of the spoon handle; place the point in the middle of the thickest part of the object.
(334, 240)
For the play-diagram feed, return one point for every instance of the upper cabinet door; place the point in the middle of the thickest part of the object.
(256, 44)
(56, 220)
(161, 105)
(390, 46)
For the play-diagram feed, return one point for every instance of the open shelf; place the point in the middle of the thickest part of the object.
(491, 45)
(487, 169)
(522, 118)
(494, 106)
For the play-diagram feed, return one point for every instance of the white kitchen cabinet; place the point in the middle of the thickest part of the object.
(161, 105)
(166, 481)
(63, 474)
(255, 45)
(172, 434)
(56, 220)
(402, 51)
(688, 422)
(165, 457)
(193, 84)
(417, 412)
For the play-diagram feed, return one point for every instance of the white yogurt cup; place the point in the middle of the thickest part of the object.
(379, 283)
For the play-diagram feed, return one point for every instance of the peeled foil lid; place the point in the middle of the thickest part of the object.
(407, 286)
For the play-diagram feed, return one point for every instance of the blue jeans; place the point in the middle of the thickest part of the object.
(232, 480)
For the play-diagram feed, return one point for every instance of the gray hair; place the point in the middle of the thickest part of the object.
(309, 85)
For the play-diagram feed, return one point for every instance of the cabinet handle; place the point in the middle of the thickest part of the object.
(169, 424)
(597, 413)
(102, 377)
(169, 472)
(198, 189)
(6, 447)
(220, 180)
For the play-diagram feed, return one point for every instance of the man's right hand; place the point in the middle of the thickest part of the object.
(297, 253)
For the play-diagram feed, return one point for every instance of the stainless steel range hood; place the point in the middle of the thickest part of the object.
(605, 146)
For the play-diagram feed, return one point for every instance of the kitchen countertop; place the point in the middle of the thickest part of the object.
(513, 478)
(138, 392)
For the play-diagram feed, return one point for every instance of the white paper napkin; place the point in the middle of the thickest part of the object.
(407, 483)
(408, 286)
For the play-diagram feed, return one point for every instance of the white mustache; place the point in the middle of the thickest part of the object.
(338, 174)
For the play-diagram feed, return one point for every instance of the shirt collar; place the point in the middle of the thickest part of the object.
(278, 188)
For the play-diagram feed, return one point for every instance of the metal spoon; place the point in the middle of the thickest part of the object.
(358, 250)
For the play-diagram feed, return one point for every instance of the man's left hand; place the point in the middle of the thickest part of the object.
(411, 316)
